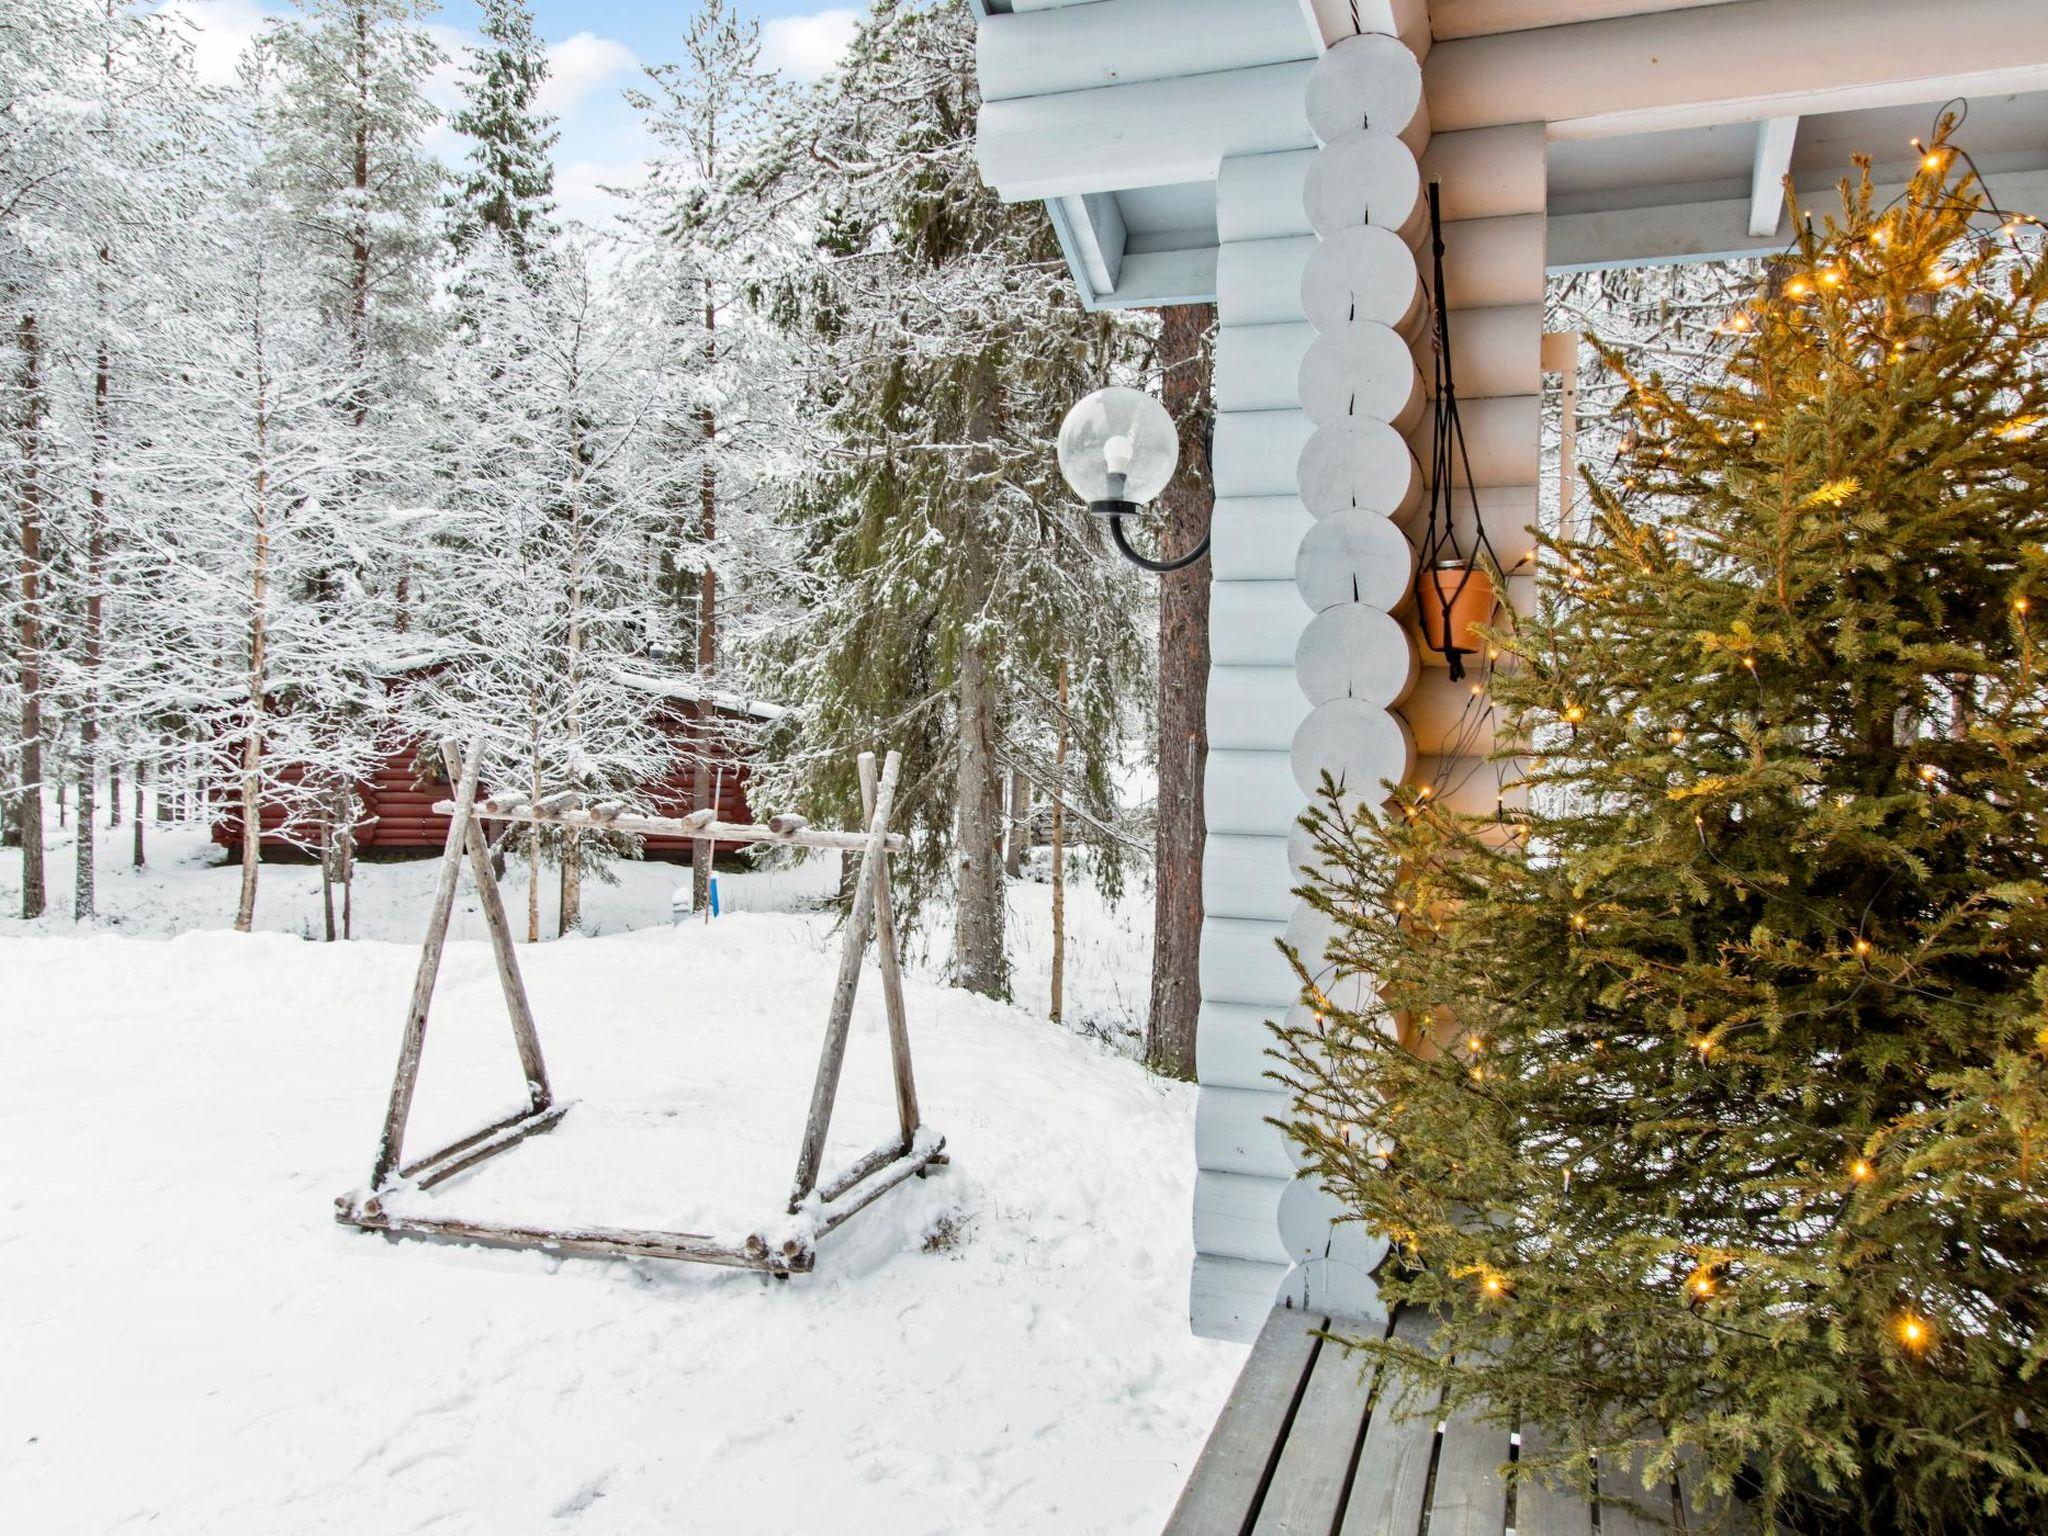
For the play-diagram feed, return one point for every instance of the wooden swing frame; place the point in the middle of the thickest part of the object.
(827, 1203)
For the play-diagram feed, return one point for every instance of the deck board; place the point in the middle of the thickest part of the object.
(1470, 1498)
(1308, 1484)
(1310, 1445)
(1541, 1510)
(1393, 1465)
(1223, 1491)
(1621, 1480)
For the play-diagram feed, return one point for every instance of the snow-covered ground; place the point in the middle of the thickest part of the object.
(192, 1345)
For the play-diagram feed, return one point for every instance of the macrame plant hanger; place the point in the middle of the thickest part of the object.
(1440, 600)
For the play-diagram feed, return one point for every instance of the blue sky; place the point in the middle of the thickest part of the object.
(596, 48)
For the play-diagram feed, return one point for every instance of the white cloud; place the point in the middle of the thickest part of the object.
(808, 46)
(220, 31)
(580, 189)
(581, 65)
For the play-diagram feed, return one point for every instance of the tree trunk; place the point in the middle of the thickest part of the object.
(569, 909)
(1185, 353)
(359, 235)
(327, 872)
(259, 637)
(1059, 862)
(533, 827)
(84, 889)
(571, 915)
(141, 773)
(113, 794)
(702, 853)
(978, 958)
(28, 623)
(346, 828)
(1020, 826)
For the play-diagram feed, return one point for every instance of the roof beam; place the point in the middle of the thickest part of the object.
(1738, 62)
(1774, 136)
(1482, 18)
(1083, 47)
(1643, 237)
(1152, 134)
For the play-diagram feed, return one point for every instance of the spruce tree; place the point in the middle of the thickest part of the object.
(1708, 1098)
(509, 184)
(951, 576)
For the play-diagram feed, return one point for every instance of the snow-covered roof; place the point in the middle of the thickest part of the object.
(692, 691)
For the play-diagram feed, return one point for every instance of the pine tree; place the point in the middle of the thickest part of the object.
(510, 181)
(1710, 1097)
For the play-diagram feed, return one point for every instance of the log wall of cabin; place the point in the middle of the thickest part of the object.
(1322, 436)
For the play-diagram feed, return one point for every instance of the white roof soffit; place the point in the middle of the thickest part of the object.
(1695, 193)
(1738, 62)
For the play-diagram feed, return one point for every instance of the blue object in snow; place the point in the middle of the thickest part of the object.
(714, 895)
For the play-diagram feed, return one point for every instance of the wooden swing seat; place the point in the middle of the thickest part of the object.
(816, 1206)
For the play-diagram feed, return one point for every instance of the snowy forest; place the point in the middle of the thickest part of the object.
(317, 445)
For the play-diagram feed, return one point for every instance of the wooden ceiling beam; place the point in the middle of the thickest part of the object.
(1737, 62)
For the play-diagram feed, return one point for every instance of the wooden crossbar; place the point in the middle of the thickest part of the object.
(915, 1151)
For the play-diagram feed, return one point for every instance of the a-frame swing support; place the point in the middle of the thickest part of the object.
(816, 1205)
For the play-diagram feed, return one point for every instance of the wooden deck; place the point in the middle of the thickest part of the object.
(1308, 1445)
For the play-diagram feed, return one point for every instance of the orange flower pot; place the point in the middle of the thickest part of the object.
(1467, 590)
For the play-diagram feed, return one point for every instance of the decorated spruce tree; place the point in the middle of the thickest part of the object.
(1709, 1097)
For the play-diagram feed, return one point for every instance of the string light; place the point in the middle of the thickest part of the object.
(1929, 773)
(1915, 1332)
(1701, 1284)
(1863, 946)
(2019, 605)
(1861, 1171)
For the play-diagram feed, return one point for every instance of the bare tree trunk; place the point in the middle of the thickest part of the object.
(533, 828)
(1185, 354)
(84, 889)
(1059, 862)
(327, 871)
(113, 794)
(1020, 826)
(702, 853)
(28, 623)
(570, 915)
(141, 773)
(259, 636)
(979, 962)
(345, 823)
(359, 238)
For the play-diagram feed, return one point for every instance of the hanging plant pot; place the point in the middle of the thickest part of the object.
(1456, 597)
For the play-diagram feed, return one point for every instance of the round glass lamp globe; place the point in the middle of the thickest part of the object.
(1118, 445)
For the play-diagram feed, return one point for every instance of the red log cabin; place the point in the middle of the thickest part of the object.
(399, 796)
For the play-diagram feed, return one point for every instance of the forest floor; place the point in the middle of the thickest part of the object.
(193, 1344)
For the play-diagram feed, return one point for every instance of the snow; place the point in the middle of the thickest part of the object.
(193, 1344)
(692, 690)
